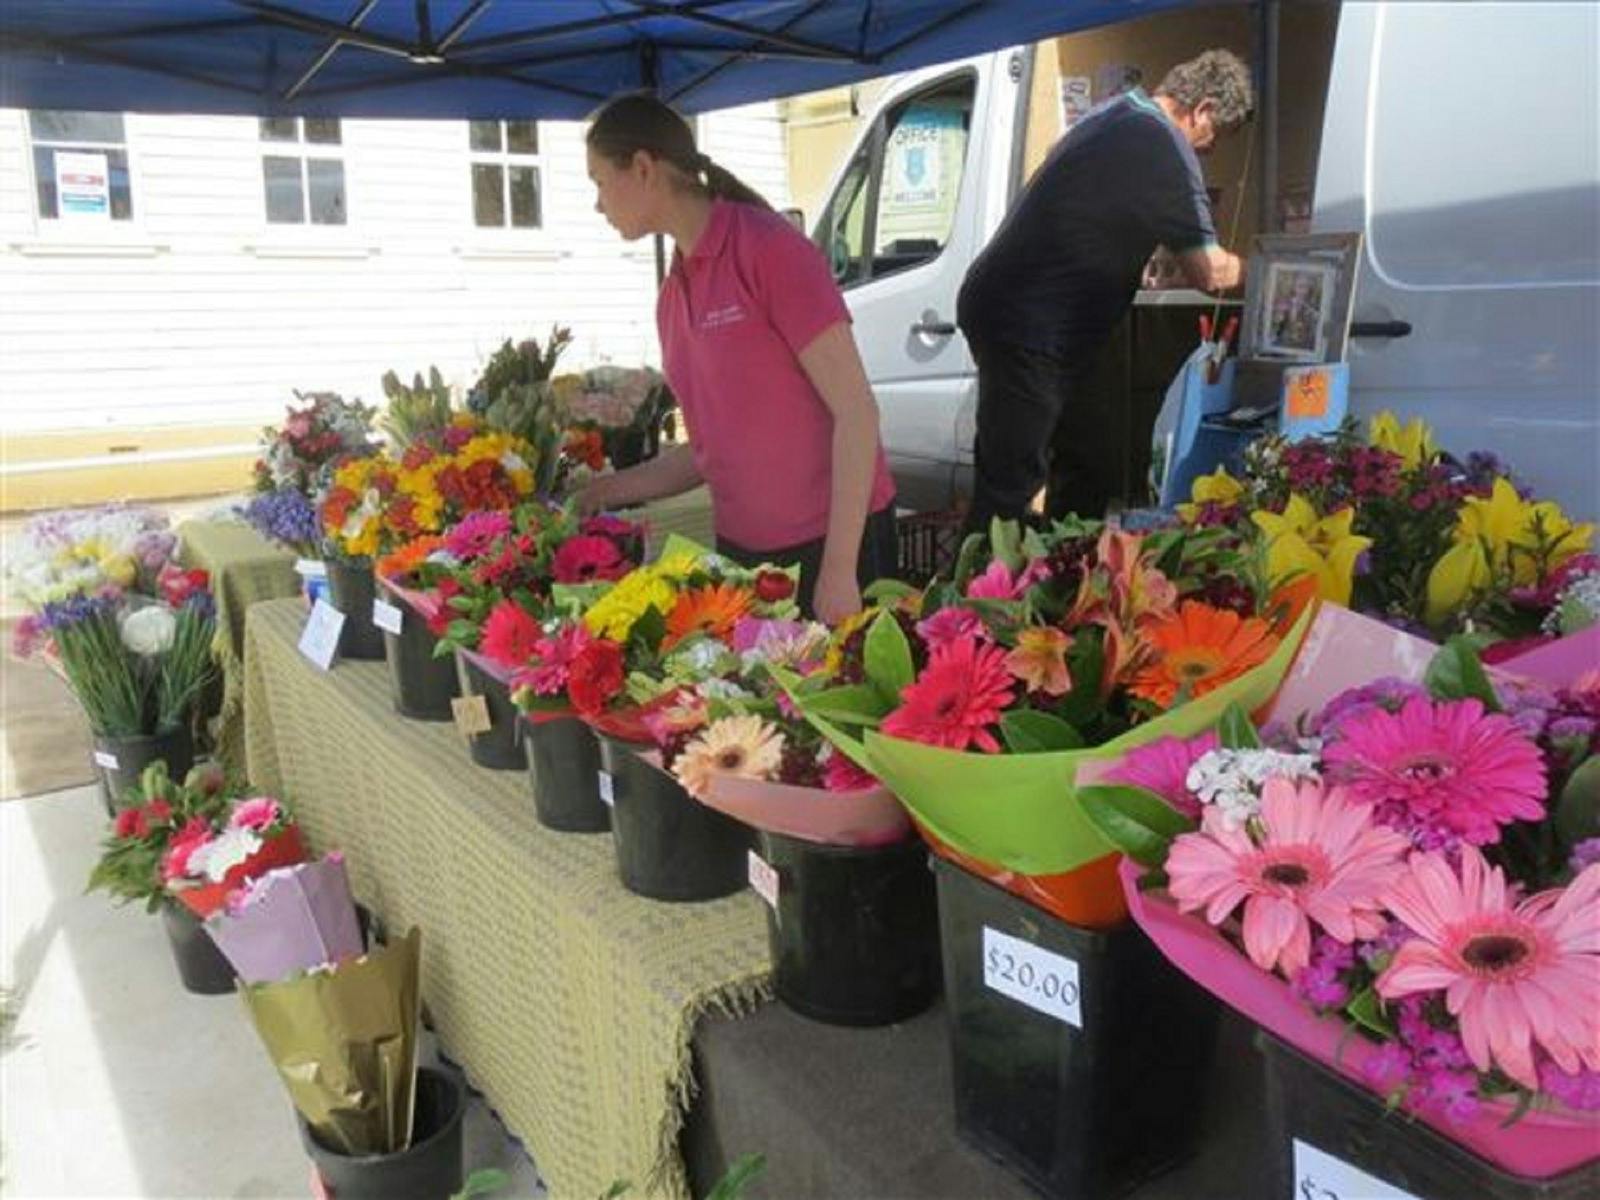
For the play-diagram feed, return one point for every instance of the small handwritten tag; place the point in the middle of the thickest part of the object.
(386, 616)
(1321, 1176)
(1044, 981)
(311, 568)
(319, 640)
(104, 758)
(764, 879)
(471, 714)
(608, 795)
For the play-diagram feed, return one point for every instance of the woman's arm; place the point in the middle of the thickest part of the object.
(834, 367)
(669, 473)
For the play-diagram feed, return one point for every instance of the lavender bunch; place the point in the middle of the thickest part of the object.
(285, 516)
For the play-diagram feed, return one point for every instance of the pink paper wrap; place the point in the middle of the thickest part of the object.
(293, 919)
(424, 603)
(872, 817)
(1558, 663)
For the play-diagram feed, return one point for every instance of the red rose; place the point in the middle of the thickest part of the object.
(130, 823)
(159, 812)
(772, 586)
(595, 676)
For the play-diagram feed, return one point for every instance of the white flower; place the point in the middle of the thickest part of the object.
(223, 853)
(149, 630)
(700, 657)
(724, 689)
(1232, 779)
(513, 461)
(371, 505)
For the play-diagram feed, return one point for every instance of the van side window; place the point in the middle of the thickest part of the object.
(895, 205)
(924, 157)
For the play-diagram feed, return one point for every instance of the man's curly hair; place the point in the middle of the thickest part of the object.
(1219, 76)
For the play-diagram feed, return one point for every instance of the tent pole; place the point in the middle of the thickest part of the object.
(1267, 183)
(650, 76)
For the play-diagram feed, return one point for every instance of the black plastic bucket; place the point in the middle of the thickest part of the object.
(429, 1169)
(423, 685)
(351, 589)
(121, 760)
(496, 748)
(855, 933)
(204, 969)
(1096, 1089)
(564, 771)
(669, 846)
(1315, 1114)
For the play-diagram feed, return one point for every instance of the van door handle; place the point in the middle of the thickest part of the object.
(1380, 329)
(935, 328)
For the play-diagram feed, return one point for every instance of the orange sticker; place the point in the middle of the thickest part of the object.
(1308, 396)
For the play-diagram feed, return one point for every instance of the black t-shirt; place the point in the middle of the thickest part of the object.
(1064, 265)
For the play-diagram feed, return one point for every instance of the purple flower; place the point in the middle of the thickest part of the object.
(1451, 1094)
(1387, 1067)
(1580, 1091)
(1389, 694)
(285, 516)
(1319, 983)
(1585, 854)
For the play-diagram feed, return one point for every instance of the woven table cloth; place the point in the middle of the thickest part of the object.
(570, 1002)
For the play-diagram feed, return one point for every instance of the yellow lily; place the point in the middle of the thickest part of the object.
(1413, 443)
(1300, 542)
(1216, 488)
(1502, 536)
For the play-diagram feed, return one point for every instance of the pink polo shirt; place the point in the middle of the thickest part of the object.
(733, 317)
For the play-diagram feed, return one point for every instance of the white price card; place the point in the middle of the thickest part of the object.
(311, 568)
(608, 795)
(1031, 975)
(319, 640)
(1320, 1176)
(104, 758)
(764, 879)
(386, 616)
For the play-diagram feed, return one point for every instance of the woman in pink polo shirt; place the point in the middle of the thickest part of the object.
(756, 343)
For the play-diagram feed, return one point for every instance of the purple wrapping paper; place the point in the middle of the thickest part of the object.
(294, 919)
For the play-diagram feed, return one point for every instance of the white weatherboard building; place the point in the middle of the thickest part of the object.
(165, 281)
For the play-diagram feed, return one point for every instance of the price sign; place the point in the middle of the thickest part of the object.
(1031, 975)
(1308, 393)
(471, 714)
(387, 616)
(764, 879)
(608, 795)
(311, 568)
(319, 640)
(1321, 1176)
(104, 758)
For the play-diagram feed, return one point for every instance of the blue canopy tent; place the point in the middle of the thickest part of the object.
(490, 58)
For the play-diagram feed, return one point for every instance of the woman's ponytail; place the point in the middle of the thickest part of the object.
(628, 124)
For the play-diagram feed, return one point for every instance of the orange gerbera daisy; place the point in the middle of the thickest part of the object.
(1197, 650)
(712, 610)
(400, 563)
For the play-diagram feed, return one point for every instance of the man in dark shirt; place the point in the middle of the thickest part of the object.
(1039, 303)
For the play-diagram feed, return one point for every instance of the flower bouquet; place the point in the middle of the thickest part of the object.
(288, 920)
(206, 861)
(322, 429)
(1388, 525)
(1401, 881)
(129, 630)
(979, 701)
(614, 413)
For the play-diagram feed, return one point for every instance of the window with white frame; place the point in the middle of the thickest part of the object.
(506, 192)
(80, 166)
(303, 171)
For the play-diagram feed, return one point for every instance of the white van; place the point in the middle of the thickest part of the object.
(1462, 139)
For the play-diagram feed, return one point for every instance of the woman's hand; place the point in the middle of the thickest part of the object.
(597, 495)
(838, 595)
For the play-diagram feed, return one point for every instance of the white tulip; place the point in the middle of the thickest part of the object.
(149, 630)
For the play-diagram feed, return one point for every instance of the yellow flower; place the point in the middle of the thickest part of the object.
(676, 567)
(616, 612)
(1299, 542)
(120, 569)
(1040, 660)
(1502, 538)
(1414, 443)
(834, 658)
(1217, 488)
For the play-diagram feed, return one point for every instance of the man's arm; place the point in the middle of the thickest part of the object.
(1211, 268)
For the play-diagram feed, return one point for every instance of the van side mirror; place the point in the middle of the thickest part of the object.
(795, 217)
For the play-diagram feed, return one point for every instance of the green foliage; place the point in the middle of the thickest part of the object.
(1028, 731)
(1366, 1010)
(1236, 731)
(414, 411)
(887, 657)
(1137, 822)
(1456, 673)
(522, 362)
(129, 867)
(1577, 815)
(483, 1182)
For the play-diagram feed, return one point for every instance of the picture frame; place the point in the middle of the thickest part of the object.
(1299, 295)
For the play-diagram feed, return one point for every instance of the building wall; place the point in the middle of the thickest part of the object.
(119, 340)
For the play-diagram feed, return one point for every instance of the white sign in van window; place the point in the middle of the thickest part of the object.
(83, 186)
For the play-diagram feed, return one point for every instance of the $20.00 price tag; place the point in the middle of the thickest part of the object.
(608, 792)
(1320, 1176)
(763, 879)
(106, 759)
(1031, 975)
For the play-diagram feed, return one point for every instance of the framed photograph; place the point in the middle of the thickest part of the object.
(1298, 296)
(1299, 293)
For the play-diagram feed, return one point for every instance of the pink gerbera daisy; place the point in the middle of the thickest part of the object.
(1316, 857)
(584, 559)
(948, 624)
(475, 533)
(551, 660)
(840, 774)
(1514, 974)
(510, 634)
(1440, 771)
(1163, 766)
(960, 693)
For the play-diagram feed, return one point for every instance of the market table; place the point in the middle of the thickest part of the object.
(570, 1002)
(245, 568)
